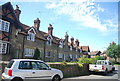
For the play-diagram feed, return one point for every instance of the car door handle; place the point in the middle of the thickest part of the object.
(33, 72)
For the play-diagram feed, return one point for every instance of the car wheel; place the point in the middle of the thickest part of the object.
(113, 69)
(106, 72)
(17, 79)
(56, 78)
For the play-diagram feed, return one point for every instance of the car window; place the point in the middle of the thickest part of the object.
(10, 64)
(100, 62)
(25, 65)
(39, 66)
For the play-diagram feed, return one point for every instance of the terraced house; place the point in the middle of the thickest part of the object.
(18, 40)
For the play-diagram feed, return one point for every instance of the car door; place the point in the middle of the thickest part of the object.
(25, 69)
(41, 70)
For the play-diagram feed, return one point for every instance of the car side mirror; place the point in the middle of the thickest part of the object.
(49, 68)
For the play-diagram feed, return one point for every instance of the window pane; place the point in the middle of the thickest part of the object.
(43, 66)
(35, 65)
(4, 25)
(25, 65)
(3, 48)
(10, 64)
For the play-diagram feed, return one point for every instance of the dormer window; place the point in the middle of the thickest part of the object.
(80, 50)
(31, 36)
(71, 48)
(49, 40)
(61, 44)
(4, 25)
(76, 49)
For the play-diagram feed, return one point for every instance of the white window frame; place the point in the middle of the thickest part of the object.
(4, 27)
(47, 54)
(76, 49)
(64, 57)
(76, 56)
(3, 50)
(60, 55)
(49, 40)
(61, 44)
(29, 52)
(71, 48)
(31, 36)
(71, 56)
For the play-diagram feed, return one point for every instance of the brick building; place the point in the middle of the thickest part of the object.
(18, 40)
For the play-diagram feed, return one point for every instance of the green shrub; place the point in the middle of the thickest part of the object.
(92, 60)
(80, 66)
(84, 60)
(37, 54)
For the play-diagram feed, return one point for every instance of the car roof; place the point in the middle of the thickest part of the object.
(26, 60)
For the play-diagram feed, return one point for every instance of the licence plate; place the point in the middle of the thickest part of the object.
(2, 77)
(95, 70)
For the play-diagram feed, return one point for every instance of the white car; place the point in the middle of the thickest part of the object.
(102, 66)
(24, 69)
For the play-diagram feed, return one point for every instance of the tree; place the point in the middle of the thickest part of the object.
(113, 51)
(37, 54)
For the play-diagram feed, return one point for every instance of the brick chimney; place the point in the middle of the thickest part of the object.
(17, 12)
(50, 29)
(77, 42)
(66, 36)
(72, 40)
(37, 23)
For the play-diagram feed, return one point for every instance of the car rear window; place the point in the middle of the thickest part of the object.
(10, 64)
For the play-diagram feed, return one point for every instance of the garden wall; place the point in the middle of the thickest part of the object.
(71, 70)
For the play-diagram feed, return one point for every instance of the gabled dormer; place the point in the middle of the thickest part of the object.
(61, 43)
(31, 34)
(49, 39)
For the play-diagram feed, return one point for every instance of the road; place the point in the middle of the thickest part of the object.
(109, 77)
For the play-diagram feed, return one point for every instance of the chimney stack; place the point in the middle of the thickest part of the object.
(66, 36)
(17, 12)
(72, 40)
(37, 23)
(50, 29)
(77, 42)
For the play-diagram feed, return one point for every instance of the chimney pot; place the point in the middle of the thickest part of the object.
(50, 29)
(17, 12)
(37, 23)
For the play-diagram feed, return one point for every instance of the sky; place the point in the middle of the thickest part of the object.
(93, 23)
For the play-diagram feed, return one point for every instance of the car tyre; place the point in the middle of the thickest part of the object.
(113, 69)
(17, 79)
(106, 72)
(56, 78)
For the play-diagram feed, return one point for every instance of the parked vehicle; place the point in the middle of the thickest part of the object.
(102, 66)
(22, 69)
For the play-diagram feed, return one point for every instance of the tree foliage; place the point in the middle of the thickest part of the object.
(100, 58)
(37, 54)
(113, 51)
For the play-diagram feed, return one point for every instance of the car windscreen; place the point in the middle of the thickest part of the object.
(100, 62)
(10, 64)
